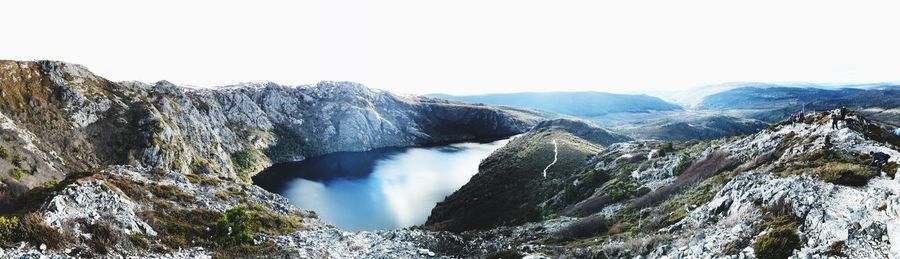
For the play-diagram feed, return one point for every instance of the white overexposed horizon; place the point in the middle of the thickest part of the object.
(464, 47)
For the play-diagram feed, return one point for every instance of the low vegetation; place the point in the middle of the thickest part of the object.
(30, 228)
(698, 171)
(203, 179)
(834, 166)
(231, 232)
(781, 240)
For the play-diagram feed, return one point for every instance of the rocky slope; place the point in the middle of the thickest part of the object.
(59, 118)
(800, 190)
(91, 167)
(106, 169)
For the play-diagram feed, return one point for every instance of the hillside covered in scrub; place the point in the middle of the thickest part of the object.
(94, 168)
(793, 189)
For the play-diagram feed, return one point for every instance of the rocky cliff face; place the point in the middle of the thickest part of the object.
(61, 118)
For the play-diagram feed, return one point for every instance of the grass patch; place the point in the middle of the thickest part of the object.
(203, 180)
(16, 173)
(170, 192)
(139, 241)
(779, 243)
(782, 239)
(230, 232)
(4, 153)
(846, 174)
(834, 166)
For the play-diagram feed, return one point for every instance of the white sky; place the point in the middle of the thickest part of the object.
(464, 46)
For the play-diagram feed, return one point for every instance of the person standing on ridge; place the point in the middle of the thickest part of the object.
(843, 112)
(834, 121)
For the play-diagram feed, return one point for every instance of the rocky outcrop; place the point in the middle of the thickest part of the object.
(61, 118)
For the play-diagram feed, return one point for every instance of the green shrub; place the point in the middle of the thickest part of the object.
(782, 240)
(505, 254)
(4, 153)
(34, 230)
(846, 174)
(9, 228)
(779, 243)
(625, 187)
(102, 238)
(890, 169)
(234, 228)
(836, 249)
(683, 162)
(273, 224)
(139, 241)
(17, 160)
(242, 161)
(16, 173)
(666, 149)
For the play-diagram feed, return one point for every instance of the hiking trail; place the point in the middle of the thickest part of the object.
(555, 155)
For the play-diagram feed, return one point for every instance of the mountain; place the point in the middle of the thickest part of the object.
(578, 104)
(769, 97)
(879, 104)
(692, 97)
(800, 190)
(702, 128)
(101, 169)
(510, 186)
(157, 166)
(65, 119)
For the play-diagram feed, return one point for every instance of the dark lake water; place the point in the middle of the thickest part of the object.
(380, 189)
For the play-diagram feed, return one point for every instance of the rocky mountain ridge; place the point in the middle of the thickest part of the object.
(61, 118)
(174, 160)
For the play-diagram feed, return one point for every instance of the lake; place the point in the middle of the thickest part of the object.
(380, 189)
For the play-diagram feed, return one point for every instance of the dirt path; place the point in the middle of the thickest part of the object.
(555, 155)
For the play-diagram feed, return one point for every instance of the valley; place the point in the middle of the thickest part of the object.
(379, 189)
(96, 168)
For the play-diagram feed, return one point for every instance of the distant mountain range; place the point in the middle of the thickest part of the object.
(759, 97)
(579, 104)
(693, 97)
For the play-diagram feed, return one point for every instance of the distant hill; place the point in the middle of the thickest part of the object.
(881, 104)
(579, 104)
(770, 97)
(704, 128)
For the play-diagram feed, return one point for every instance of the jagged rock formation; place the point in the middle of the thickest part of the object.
(61, 118)
(172, 160)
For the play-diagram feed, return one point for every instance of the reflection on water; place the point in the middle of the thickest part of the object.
(382, 189)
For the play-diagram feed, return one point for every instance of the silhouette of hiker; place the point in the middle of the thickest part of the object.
(834, 121)
(879, 159)
(843, 112)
